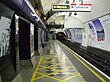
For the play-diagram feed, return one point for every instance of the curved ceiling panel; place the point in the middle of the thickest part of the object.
(72, 22)
(99, 8)
(47, 4)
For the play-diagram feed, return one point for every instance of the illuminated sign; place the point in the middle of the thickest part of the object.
(80, 7)
(61, 6)
(72, 7)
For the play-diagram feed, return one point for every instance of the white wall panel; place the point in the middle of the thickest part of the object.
(72, 22)
(72, 35)
(85, 36)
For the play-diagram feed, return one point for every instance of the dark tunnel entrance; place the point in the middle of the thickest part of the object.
(61, 36)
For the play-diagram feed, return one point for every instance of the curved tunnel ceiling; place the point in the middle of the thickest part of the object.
(47, 5)
(99, 8)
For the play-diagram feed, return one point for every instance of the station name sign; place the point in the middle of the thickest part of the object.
(61, 7)
(72, 7)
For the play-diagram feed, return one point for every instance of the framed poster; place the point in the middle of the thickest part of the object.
(93, 33)
(4, 35)
(78, 35)
(99, 29)
(105, 20)
(32, 39)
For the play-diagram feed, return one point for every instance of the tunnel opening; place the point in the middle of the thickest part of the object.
(61, 36)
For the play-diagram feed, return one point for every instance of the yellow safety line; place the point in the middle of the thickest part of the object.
(39, 77)
(98, 76)
(45, 75)
(39, 63)
(56, 69)
(62, 81)
(34, 74)
(47, 66)
(43, 67)
(49, 76)
(33, 77)
(78, 74)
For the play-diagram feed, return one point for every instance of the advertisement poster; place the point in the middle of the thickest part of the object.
(32, 39)
(43, 38)
(72, 35)
(93, 34)
(78, 35)
(106, 24)
(4, 35)
(69, 34)
(99, 29)
(39, 38)
(105, 20)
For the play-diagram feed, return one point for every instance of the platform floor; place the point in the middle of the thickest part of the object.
(59, 64)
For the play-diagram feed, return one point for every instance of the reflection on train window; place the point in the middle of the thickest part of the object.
(99, 30)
